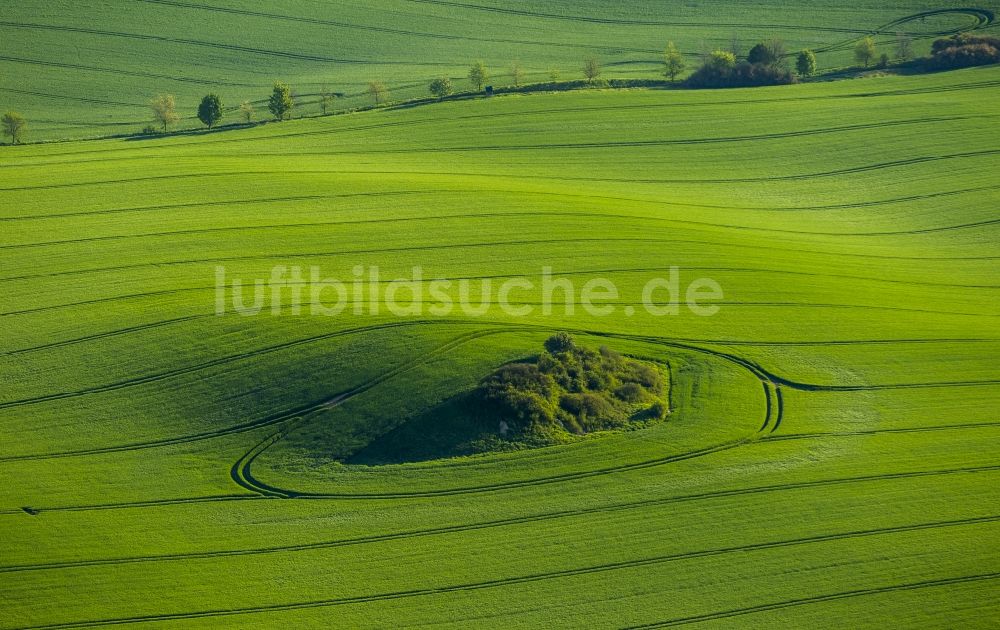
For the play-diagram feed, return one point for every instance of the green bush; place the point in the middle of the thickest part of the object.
(659, 410)
(559, 342)
(571, 389)
(441, 87)
(720, 70)
(630, 392)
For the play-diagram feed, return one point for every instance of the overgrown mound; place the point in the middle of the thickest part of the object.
(573, 389)
(557, 397)
(964, 50)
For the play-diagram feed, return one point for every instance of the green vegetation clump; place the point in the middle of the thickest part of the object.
(964, 50)
(865, 51)
(210, 110)
(281, 103)
(764, 66)
(572, 389)
(805, 64)
(164, 110)
(14, 125)
(673, 62)
(441, 87)
(478, 75)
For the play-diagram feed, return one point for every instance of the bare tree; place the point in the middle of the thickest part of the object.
(904, 47)
(734, 45)
(326, 100)
(516, 73)
(591, 69)
(247, 112)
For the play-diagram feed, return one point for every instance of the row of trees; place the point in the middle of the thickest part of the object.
(479, 77)
(767, 63)
(764, 64)
(211, 109)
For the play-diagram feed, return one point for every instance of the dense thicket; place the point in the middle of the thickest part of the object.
(574, 389)
(964, 50)
(764, 66)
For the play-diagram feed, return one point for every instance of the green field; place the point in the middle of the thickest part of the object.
(84, 69)
(832, 459)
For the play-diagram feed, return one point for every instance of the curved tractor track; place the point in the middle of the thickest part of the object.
(983, 18)
(242, 474)
(771, 386)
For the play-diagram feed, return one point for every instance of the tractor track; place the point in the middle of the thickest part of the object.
(387, 30)
(242, 474)
(156, 503)
(489, 216)
(283, 54)
(568, 573)
(446, 247)
(909, 586)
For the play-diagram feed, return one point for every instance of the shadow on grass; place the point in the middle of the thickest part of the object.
(459, 426)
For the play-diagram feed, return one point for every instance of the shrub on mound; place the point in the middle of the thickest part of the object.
(571, 389)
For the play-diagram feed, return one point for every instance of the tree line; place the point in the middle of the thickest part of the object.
(766, 63)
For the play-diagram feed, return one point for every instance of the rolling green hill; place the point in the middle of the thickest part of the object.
(831, 459)
(89, 69)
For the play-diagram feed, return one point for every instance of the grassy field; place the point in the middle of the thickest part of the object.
(89, 69)
(832, 456)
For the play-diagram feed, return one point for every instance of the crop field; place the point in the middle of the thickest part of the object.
(90, 68)
(170, 459)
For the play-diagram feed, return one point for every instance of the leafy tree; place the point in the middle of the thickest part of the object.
(516, 73)
(247, 111)
(760, 54)
(904, 47)
(326, 99)
(559, 342)
(591, 69)
(770, 53)
(280, 104)
(865, 51)
(721, 60)
(478, 75)
(673, 62)
(164, 109)
(441, 87)
(14, 125)
(806, 63)
(210, 110)
(378, 92)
